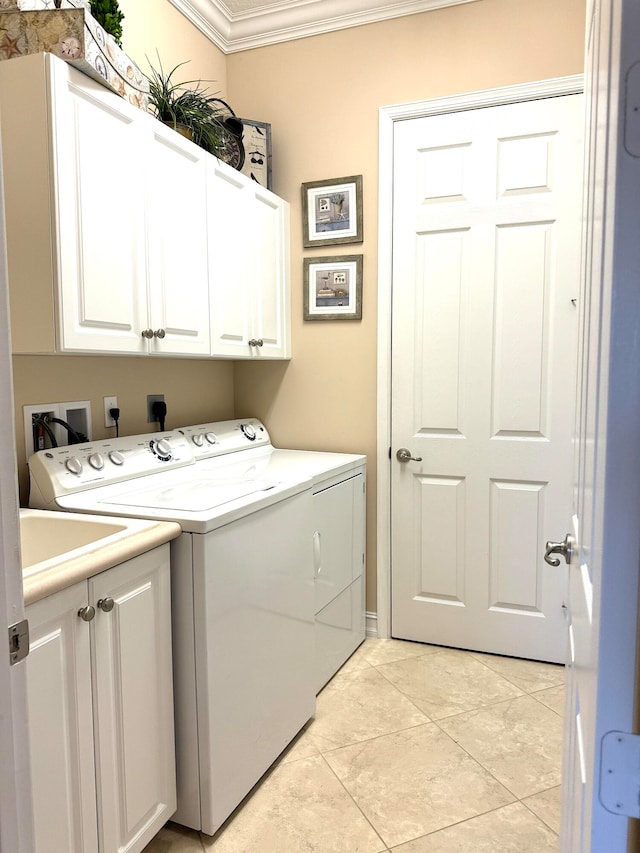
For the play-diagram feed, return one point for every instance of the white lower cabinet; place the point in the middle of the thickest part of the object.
(100, 705)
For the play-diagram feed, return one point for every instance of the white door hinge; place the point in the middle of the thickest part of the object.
(620, 773)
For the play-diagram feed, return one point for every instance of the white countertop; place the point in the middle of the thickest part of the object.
(54, 568)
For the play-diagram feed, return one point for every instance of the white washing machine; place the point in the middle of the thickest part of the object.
(250, 572)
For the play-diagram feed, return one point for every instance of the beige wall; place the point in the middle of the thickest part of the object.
(322, 96)
(155, 28)
(195, 391)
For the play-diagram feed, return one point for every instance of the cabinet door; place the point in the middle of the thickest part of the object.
(270, 274)
(132, 679)
(338, 538)
(177, 238)
(230, 247)
(98, 214)
(58, 675)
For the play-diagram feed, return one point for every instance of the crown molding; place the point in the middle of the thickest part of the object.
(294, 20)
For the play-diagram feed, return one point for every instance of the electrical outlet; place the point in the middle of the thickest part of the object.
(151, 399)
(109, 403)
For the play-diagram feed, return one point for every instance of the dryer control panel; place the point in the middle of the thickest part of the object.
(220, 437)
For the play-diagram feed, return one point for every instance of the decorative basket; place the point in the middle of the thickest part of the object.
(74, 35)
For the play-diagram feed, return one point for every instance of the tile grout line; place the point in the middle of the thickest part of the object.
(482, 663)
(537, 815)
(355, 802)
(468, 710)
(487, 770)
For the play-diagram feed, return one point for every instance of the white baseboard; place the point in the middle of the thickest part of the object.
(371, 622)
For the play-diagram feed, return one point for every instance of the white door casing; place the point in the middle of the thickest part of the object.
(603, 574)
(485, 279)
(16, 822)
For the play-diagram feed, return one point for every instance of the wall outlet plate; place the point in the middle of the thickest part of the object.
(151, 399)
(109, 403)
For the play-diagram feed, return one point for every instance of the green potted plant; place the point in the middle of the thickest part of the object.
(107, 13)
(186, 107)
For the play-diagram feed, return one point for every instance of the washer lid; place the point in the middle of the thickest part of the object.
(191, 496)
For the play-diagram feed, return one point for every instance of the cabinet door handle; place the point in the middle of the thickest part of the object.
(256, 342)
(159, 333)
(87, 613)
(147, 333)
(106, 604)
(317, 565)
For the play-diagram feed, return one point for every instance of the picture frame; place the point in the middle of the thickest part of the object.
(332, 211)
(333, 288)
(256, 138)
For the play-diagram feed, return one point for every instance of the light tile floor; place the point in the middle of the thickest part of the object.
(416, 749)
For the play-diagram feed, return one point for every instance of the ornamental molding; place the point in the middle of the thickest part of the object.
(287, 21)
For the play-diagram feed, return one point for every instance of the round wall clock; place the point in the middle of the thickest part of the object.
(232, 148)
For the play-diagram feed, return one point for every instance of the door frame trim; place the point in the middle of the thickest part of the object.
(387, 117)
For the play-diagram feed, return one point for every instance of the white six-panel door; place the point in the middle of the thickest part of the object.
(485, 276)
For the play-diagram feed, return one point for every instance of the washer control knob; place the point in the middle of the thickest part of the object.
(211, 437)
(162, 449)
(96, 461)
(116, 457)
(74, 465)
(198, 439)
(249, 431)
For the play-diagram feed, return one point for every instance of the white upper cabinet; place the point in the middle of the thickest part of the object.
(270, 274)
(123, 237)
(98, 213)
(248, 267)
(177, 242)
(228, 261)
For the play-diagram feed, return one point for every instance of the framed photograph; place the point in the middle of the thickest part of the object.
(332, 212)
(256, 138)
(333, 288)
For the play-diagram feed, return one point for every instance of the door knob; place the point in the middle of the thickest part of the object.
(160, 333)
(404, 455)
(106, 604)
(565, 549)
(147, 333)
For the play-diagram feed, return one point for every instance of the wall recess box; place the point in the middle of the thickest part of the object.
(77, 414)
